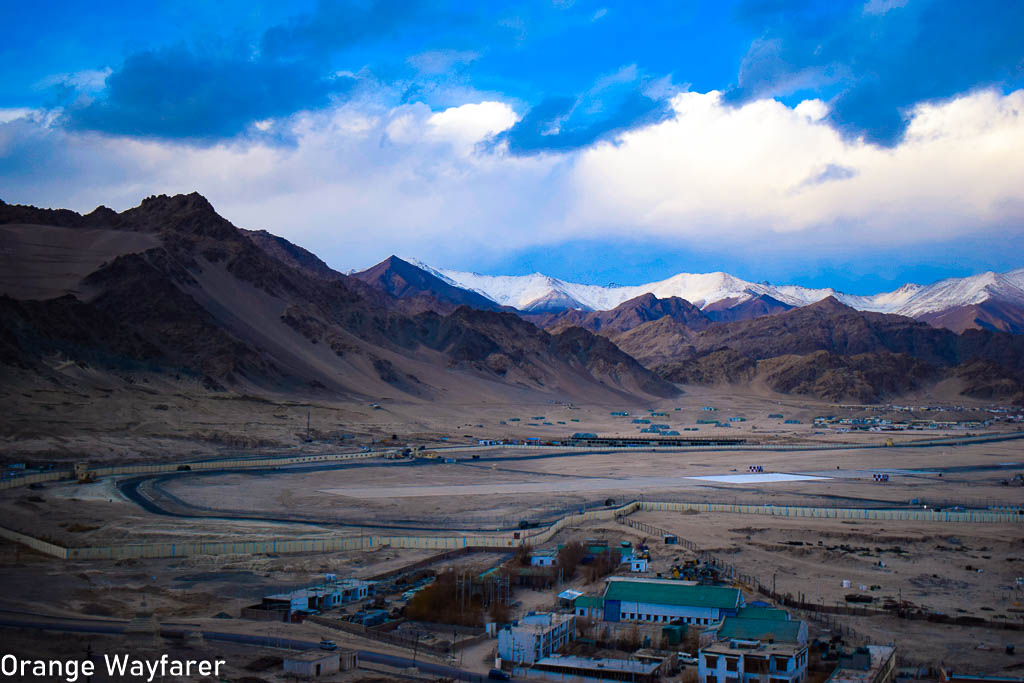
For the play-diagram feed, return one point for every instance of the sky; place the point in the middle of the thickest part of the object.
(858, 145)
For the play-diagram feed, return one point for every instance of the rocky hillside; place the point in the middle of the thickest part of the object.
(419, 290)
(627, 315)
(832, 351)
(232, 308)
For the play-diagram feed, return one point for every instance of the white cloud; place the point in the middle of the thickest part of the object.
(882, 6)
(88, 81)
(471, 123)
(959, 169)
(434, 62)
(15, 113)
(366, 178)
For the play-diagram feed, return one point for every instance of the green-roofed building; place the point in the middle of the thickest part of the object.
(589, 606)
(666, 601)
(764, 630)
(763, 613)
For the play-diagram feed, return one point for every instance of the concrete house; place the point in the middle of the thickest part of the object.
(535, 637)
(312, 664)
(547, 557)
(766, 646)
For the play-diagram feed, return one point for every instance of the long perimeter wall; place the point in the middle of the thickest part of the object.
(506, 540)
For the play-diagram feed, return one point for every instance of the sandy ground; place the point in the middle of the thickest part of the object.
(154, 417)
(924, 564)
(506, 486)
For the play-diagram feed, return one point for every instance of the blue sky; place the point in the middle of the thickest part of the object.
(851, 144)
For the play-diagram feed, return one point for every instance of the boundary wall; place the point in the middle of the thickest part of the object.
(505, 540)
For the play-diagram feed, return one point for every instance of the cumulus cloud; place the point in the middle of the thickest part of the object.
(735, 169)
(882, 57)
(384, 178)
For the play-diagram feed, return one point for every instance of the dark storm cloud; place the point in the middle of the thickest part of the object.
(183, 92)
(176, 93)
(560, 123)
(880, 58)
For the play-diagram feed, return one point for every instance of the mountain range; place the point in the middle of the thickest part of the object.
(170, 291)
(990, 300)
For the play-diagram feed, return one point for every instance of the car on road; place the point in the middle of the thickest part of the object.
(498, 675)
(328, 645)
(686, 658)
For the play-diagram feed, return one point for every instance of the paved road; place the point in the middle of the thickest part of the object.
(47, 623)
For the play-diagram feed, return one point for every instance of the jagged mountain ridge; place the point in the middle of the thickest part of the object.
(1000, 294)
(832, 351)
(250, 310)
(420, 289)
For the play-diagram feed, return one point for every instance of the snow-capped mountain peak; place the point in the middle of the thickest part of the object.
(538, 292)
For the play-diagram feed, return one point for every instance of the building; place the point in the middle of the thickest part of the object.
(768, 648)
(870, 664)
(312, 663)
(326, 595)
(536, 636)
(589, 606)
(574, 668)
(547, 557)
(762, 612)
(333, 593)
(567, 598)
(667, 601)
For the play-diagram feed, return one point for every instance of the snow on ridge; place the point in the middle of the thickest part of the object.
(704, 289)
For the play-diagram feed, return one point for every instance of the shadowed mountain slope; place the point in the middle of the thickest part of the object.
(235, 308)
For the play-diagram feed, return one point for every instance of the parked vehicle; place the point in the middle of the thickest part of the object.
(498, 675)
(328, 645)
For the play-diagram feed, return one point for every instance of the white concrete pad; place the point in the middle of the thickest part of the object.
(760, 478)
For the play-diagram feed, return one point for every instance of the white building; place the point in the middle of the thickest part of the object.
(544, 558)
(324, 596)
(755, 650)
(637, 564)
(535, 637)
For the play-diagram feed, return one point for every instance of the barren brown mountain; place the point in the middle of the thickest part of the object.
(199, 298)
(832, 351)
